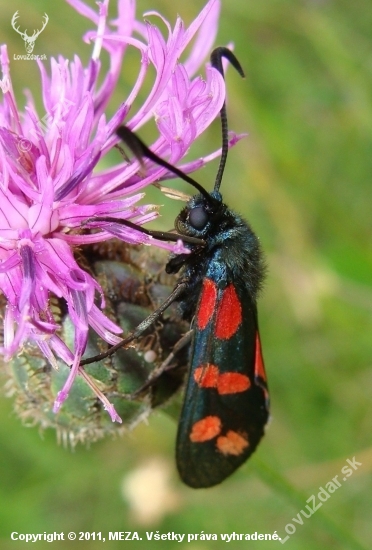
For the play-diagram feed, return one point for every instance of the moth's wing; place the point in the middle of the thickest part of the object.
(225, 407)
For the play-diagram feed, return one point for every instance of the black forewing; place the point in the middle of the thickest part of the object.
(201, 464)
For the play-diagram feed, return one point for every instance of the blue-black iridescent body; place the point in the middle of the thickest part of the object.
(231, 256)
(231, 251)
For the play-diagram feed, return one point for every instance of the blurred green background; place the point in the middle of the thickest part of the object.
(302, 178)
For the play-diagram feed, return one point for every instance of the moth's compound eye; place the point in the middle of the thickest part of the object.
(198, 217)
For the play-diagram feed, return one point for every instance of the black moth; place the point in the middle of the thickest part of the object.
(225, 406)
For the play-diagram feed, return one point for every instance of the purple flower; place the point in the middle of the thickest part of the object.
(51, 186)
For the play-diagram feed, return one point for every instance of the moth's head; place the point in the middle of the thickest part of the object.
(200, 216)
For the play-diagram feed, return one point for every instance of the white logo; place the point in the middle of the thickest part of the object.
(29, 40)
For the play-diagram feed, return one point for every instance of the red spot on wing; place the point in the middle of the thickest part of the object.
(232, 382)
(259, 368)
(232, 443)
(206, 376)
(229, 314)
(207, 303)
(205, 429)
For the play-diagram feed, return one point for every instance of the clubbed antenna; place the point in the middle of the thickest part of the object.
(216, 62)
(140, 150)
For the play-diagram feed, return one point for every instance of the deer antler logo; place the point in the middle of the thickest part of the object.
(29, 40)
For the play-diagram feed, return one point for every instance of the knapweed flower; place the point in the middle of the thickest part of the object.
(51, 184)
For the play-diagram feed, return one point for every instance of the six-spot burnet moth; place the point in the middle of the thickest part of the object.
(225, 407)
